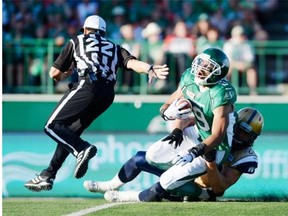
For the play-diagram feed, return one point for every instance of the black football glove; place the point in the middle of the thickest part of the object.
(210, 156)
(175, 136)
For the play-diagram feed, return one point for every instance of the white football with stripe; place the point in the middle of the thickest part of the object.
(184, 101)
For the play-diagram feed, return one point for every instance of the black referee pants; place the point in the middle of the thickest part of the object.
(77, 109)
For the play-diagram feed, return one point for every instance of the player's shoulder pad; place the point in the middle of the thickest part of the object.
(223, 93)
(227, 91)
(245, 160)
(247, 167)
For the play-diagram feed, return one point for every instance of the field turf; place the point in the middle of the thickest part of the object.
(79, 206)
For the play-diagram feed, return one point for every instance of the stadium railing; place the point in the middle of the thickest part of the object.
(271, 65)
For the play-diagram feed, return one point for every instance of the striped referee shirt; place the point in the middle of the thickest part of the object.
(95, 53)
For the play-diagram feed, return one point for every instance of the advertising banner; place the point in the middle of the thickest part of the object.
(26, 154)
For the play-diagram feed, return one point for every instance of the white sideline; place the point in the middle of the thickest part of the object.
(95, 209)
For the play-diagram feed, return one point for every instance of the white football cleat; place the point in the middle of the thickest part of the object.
(103, 186)
(93, 186)
(122, 196)
(112, 196)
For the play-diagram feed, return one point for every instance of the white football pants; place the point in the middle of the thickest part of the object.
(160, 154)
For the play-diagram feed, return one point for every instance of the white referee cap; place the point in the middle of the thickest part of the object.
(95, 22)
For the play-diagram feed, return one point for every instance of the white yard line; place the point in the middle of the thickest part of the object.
(95, 209)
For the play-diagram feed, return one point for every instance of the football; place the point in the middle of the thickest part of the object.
(181, 103)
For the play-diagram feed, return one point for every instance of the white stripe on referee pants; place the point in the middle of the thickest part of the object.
(56, 113)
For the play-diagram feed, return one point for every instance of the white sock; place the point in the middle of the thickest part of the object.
(113, 184)
(129, 196)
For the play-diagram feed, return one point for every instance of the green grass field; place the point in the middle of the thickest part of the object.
(77, 207)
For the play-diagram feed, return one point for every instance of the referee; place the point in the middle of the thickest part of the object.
(96, 59)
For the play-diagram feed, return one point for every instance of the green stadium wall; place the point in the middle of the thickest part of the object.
(130, 116)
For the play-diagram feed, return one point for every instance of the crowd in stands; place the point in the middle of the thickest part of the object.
(181, 28)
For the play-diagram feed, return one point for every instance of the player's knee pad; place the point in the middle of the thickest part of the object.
(142, 164)
(174, 178)
(160, 154)
(152, 153)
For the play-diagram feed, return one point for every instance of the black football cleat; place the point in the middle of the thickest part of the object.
(39, 183)
(83, 158)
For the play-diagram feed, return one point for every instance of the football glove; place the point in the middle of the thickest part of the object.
(176, 137)
(210, 156)
(188, 156)
(183, 158)
(175, 111)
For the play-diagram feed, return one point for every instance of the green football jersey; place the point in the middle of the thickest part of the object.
(203, 103)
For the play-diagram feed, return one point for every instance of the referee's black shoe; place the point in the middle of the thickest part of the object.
(39, 183)
(83, 158)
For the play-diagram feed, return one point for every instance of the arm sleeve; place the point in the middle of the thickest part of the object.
(124, 56)
(65, 59)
